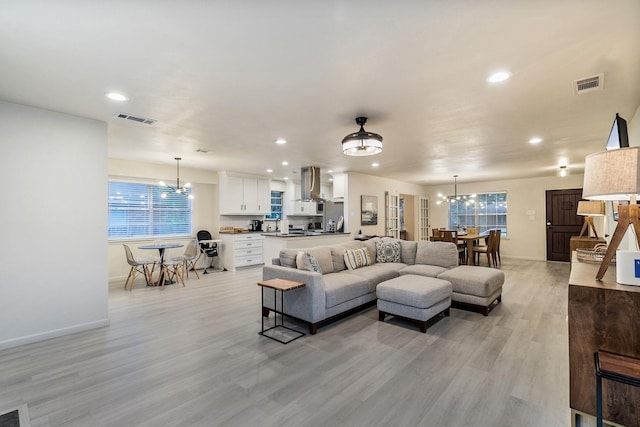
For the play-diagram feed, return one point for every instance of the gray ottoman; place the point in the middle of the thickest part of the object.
(412, 297)
(477, 287)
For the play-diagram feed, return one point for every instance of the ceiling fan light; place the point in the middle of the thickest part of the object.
(362, 143)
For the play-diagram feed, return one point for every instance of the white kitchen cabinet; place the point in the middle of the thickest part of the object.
(339, 186)
(244, 196)
(304, 208)
(241, 250)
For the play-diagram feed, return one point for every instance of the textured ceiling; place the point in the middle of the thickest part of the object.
(231, 77)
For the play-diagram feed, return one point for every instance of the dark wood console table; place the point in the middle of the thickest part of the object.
(603, 315)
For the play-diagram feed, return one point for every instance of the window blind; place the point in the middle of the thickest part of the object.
(137, 210)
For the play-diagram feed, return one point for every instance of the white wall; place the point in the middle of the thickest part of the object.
(526, 237)
(54, 222)
(204, 207)
(368, 185)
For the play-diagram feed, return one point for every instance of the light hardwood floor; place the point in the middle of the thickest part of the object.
(193, 357)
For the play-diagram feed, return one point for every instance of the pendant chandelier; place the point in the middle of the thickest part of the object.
(362, 143)
(455, 198)
(178, 189)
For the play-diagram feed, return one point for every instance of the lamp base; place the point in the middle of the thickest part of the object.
(627, 215)
(588, 224)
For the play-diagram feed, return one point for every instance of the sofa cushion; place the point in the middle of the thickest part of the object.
(414, 291)
(471, 280)
(441, 254)
(408, 251)
(423, 270)
(337, 253)
(288, 258)
(343, 286)
(374, 274)
(356, 258)
(322, 254)
(371, 246)
(388, 251)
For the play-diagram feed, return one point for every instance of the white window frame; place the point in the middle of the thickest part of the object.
(475, 217)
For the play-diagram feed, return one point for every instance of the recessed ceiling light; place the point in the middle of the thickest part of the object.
(281, 141)
(499, 77)
(115, 96)
(329, 171)
(330, 179)
(375, 165)
(285, 163)
(535, 140)
(269, 170)
(285, 178)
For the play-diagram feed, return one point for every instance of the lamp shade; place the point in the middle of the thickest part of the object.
(591, 208)
(612, 175)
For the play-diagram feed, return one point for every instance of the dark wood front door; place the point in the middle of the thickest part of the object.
(562, 222)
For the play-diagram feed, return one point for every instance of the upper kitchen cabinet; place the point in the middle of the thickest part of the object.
(339, 186)
(241, 195)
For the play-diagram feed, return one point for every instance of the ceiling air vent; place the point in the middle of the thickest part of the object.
(588, 84)
(135, 119)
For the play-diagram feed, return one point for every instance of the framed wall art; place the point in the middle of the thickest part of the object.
(369, 210)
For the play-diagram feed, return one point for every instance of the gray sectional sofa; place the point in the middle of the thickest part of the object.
(336, 291)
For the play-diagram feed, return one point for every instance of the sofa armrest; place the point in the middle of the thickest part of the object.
(307, 303)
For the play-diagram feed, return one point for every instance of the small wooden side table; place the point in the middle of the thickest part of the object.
(614, 367)
(283, 286)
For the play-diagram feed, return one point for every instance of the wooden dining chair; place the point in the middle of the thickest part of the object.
(489, 249)
(499, 232)
(138, 265)
(435, 234)
(472, 230)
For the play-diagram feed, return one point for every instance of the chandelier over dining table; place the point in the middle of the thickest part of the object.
(184, 189)
(467, 199)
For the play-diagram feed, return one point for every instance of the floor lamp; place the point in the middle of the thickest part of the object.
(615, 175)
(589, 209)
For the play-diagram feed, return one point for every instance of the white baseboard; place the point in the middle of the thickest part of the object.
(15, 342)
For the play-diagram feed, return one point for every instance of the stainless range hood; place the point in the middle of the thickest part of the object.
(310, 184)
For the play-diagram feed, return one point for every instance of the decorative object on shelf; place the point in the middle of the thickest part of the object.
(369, 210)
(362, 143)
(178, 189)
(593, 255)
(589, 209)
(455, 198)
(615, 175)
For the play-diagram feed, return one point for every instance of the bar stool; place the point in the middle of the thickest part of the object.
(614, 367)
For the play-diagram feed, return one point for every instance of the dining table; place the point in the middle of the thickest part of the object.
(161, 247)
(470, 239)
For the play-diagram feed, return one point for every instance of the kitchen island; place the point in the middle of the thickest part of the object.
(275, 242)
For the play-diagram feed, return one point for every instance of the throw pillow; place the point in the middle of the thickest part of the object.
(388, 251)
(355, 258)
(302, 261)
(314, 263)
(307, 262)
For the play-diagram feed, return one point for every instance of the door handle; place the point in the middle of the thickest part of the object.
(549, 224)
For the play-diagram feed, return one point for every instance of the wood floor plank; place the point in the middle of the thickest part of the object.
(192, 357)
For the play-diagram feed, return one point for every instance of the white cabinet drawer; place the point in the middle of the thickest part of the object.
(248, 260)
(249, 238)
(248, 252)
(248, 244)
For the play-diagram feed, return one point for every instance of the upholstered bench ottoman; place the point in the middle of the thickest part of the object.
(413, 297)
(477, 287)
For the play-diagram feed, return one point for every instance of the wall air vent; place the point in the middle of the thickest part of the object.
(135, 119)
(588, 84)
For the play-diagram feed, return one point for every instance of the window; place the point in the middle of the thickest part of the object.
(486, 211)
(276, 205)
(138, 211)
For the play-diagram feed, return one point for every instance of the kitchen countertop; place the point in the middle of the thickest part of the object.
(305, 234)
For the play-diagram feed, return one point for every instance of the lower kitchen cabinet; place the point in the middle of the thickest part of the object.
(242, 249)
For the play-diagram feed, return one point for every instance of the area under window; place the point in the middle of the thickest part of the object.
(486, 211)
(137, 211)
